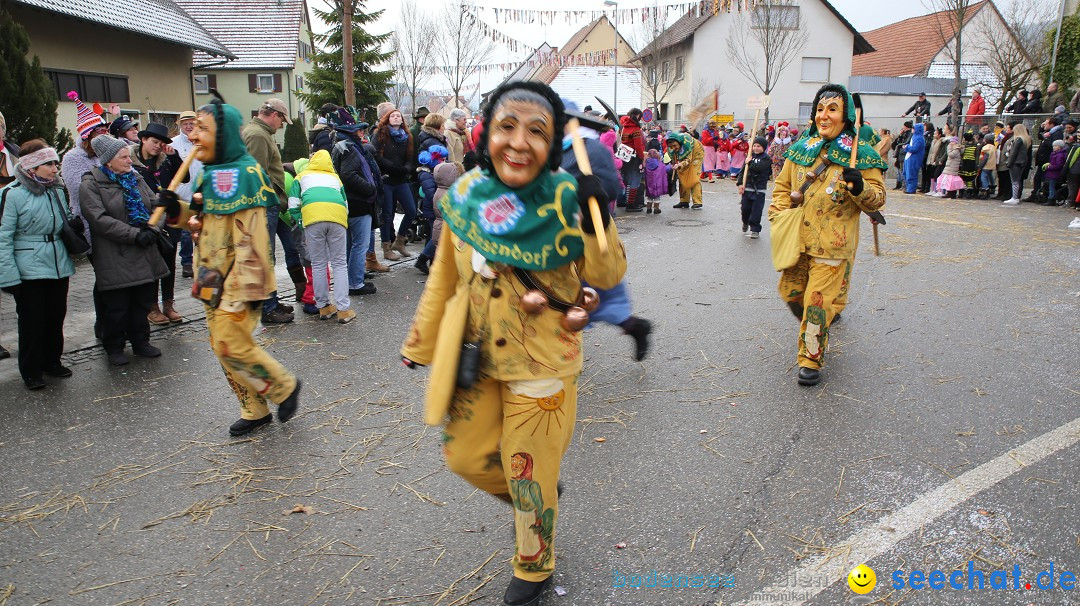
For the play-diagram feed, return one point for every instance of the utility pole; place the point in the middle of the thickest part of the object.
(347, 7)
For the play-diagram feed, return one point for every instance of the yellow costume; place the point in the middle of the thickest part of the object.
(507, 433)
(816, 287)
(693, 154)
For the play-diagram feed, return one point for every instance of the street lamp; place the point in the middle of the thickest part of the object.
(615, 14)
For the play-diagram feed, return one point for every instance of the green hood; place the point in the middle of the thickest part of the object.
(806, 150)
(685, 141)
(230, 145)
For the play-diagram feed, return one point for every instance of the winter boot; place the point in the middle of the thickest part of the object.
(156, 317)
(299, 280)
(632, 203)
(399, 247)
(422, 264)
(372, 264)
(169, 311)
(388, 253)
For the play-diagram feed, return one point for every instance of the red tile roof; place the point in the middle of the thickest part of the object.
(907, 47)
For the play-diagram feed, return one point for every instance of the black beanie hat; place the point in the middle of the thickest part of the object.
(762, 141)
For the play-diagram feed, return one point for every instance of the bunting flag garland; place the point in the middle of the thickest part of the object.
(603, 57)
(621, 16)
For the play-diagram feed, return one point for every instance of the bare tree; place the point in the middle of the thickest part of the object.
(661, 59)
(411, 48)
(460, 46)
(1016, 54)
(769, 33)
(950, 32)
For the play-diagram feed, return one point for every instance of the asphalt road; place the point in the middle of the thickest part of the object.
(957, 349)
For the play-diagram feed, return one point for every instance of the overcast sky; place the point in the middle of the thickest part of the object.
(864, 15)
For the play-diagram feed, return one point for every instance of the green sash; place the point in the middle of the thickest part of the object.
(534, 227)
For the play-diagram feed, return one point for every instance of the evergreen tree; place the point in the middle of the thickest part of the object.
(296, 145)
(325, 82)
(27, 97)
(1067, 70)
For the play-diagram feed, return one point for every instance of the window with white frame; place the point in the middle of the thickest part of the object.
(664, 69)
(202, 85)
(266, 83)
(299, 83)
(806, 111)
(678, 112)
(652, 75)
(680, 67)
(816, 69)
(775, 16)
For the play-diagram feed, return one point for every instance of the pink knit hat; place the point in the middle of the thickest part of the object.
(87, 120)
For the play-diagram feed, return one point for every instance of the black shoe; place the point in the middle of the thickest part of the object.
(118, 358)
(246, 426)
(1048, 203)
(809, 376)
(635, 208)
(288, 406)
(277, 316)
(285, 308)
(745, 226)
(640, 330)
(187, 272)
(836, 318)
(34, 383)
(422, 264)
(648, 211)
(524, 593)
(682, 205)
(367, 289)
(4, 354)
(146, 350)
(796, 309)
(696, 207)
(368, 275)
(59, 371)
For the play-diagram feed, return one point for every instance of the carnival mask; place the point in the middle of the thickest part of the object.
(519, 141)
(829, 117)
(205, 136)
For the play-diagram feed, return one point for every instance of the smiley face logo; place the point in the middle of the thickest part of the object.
(861, 579)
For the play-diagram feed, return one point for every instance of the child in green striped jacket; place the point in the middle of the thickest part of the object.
(319, 195)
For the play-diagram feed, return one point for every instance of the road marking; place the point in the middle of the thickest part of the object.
(949, 221)
(875, 540)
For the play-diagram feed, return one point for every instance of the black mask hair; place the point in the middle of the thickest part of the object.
(530, 92)
(830, 91)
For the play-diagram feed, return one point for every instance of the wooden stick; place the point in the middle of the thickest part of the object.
(851, 164)
(177, 179)
(583, 163)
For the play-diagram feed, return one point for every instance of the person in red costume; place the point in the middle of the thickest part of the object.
(633, 137)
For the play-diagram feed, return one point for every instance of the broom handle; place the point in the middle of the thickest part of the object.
(583, 163)
(177, 179)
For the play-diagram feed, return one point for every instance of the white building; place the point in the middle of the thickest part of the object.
(690, 59)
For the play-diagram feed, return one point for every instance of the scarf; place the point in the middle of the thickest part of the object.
(137, 214)
(399, 134)
(534, 227)
(808, 147)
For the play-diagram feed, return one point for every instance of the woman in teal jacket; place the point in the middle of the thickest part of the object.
(34, 265)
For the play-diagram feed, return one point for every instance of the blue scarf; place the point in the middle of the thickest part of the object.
(137, 213)
(399, 134)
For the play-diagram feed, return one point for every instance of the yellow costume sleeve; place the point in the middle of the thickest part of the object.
(781, 195)
(441, 284)
(599, 269)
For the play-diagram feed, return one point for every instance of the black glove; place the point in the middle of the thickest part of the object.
(169, 201)
(12, 290)
(854, 181)
(590, 187)
(146, 237)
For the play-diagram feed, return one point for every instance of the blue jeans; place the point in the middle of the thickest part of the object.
(1053, 189)
(292, 257)
(631, 175)
(186, 248)
(357, 246)
(403, 194)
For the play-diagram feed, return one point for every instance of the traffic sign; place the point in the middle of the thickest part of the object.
(758, 102)
(646, 116)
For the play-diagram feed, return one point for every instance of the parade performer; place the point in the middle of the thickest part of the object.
(234, 274)
(816, 176)
(779, 146)
(500, 317)
(687, 154)
(709, 140)
(723, 154)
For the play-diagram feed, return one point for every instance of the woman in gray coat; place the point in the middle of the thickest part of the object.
(117, 202)
(1019, 157)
